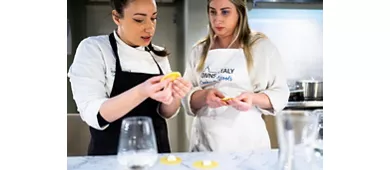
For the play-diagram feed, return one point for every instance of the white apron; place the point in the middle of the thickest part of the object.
(226, 129)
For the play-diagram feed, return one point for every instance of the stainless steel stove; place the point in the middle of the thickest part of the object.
(305, 104)
(298, 103)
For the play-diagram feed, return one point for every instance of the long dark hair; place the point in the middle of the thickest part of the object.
(118, 6)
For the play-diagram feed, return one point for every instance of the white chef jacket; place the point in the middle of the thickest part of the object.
(92, 72)
(225, 128)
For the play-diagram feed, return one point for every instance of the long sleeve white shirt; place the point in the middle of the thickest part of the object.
(267, 76)
(92, 72)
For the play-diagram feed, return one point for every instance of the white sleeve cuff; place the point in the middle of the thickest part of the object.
(186, 101)
(276, 102)
(174, 115)
(89, 115)
(265, 111)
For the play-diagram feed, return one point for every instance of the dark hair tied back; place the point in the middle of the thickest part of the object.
(162, 53)
(119, 6)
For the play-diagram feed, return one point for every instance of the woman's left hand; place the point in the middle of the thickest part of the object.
(242, 102)
(180, 88)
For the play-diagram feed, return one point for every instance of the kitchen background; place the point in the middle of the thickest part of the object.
(295, 28)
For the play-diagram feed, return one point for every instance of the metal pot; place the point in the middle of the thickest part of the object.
(312, 89)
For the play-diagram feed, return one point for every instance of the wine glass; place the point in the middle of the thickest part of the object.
(137, 148)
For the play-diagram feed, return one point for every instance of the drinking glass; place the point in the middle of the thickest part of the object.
(297, 131)
(319, 142)
(137, 148)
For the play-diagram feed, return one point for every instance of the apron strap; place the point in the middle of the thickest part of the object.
(159, 68)
(115, 51)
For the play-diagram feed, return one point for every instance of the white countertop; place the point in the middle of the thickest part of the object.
(264, 160)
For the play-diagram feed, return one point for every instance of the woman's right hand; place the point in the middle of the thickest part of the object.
(214, 98)
(159, 91)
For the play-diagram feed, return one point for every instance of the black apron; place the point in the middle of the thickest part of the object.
(105, 142)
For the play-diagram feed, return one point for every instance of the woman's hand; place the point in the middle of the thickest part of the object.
(242, 102)
(159, 91)
(214, 98)
(180, 88)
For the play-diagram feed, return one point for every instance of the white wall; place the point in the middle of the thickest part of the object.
(298, 36)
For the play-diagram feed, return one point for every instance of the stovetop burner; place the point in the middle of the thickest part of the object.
(298, 101)
(298, 97)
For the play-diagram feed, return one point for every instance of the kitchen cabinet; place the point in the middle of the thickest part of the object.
(271, 128)
(78, 135)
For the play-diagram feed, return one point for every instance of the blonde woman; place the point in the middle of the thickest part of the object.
(233, 62)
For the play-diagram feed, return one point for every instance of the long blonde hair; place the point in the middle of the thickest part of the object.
(242, 33)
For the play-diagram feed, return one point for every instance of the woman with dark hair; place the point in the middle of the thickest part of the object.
(118, 75)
